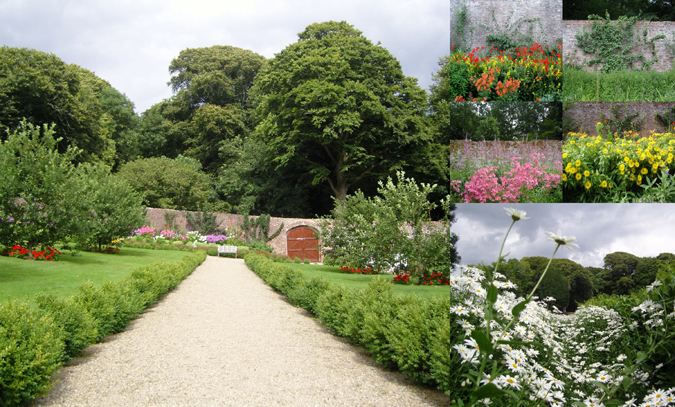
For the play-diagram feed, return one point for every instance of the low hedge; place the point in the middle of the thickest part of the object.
(400, 331)
(35, 341)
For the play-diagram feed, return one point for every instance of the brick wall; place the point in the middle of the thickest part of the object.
(157, 220)
(587, 114)
(572, 54)
(480, 13)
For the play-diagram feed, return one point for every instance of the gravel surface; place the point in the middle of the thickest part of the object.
(224, 338)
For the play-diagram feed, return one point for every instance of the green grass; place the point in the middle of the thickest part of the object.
(332, 275)
(21, 279)
(625, 86)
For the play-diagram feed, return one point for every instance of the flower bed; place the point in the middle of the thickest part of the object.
(528, 74)
(627, 168)
(48, 253)
(508, 184)
(365, 270)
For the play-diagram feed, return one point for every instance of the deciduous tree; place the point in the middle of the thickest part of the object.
(339, 106)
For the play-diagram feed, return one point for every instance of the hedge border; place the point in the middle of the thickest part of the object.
(400, 331)
(35, 341)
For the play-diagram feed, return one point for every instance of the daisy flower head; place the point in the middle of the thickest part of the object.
(516, 214)
(563, 240)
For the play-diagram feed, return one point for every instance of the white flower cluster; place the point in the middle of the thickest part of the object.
(570, 343)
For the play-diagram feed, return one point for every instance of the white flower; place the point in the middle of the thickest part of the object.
(653, 285)
(516, 214)
(563, 240)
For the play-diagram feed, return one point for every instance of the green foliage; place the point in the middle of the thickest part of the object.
(109, 208)
(555, 285)
(35, 341)
(260, 245)
(621, 121)
(337, 107)
(30, 350)
(78, 325)
(391, 231)
(612, 43)
(203, 221)
(510, 37)
(580, 85)
(400, 331)
(663, 10)
(36, 188)
(169, 184)
(257, 229)
(212, 252)
(87, 111)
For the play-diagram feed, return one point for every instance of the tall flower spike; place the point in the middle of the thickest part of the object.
(561, 240)
(515, 214)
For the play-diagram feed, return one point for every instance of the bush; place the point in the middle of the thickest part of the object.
(212, 252)
(297, 260)
(78, 325)
(31, 349)
(306, 261)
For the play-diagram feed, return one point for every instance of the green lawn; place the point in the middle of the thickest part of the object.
(20, 279)
(333, 275)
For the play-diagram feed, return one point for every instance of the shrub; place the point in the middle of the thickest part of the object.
(306, 261)
(77, 324)
(212, 252)
(30, 351)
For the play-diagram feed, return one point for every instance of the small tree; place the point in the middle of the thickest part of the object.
(109, 208)
(37, 197)
(392, 230)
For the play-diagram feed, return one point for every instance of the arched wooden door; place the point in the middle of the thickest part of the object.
(303, 244)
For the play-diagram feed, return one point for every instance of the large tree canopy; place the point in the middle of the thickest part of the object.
(339, 106)
(219, 75)
(209, 107)
(87, 112)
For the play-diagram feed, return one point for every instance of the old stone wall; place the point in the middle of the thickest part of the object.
(587, 114)
(156, 218)
(572, 54)
(481, 13)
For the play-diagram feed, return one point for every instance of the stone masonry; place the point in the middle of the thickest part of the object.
(480, 12)
(587, 114)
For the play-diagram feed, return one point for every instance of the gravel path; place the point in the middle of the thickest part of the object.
(224, 338)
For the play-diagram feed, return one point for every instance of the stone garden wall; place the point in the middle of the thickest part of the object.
(572, 54)
(156, 218)
(480, 12)
(587, 114)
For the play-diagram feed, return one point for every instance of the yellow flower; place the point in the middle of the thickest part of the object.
(604, 151)
(603, 184)
(578, 176)
(622, 167)
(644, 171)
(587, 173)
(578, 163)
(588, 185)
(564, 177)
(565, 155)
(626, 159)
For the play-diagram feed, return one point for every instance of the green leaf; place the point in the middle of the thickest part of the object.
(492, 294)
(488, 390)
(484, 345)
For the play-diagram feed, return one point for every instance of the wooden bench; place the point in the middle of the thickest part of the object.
(227, 249)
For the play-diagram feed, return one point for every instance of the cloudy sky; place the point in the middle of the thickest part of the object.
(130, 43)
(641, 229)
